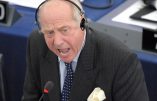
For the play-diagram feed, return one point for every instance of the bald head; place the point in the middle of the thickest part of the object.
(58, 8)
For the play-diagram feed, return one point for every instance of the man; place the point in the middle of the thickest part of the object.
(97, 59)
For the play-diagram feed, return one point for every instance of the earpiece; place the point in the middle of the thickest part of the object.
(82, 23)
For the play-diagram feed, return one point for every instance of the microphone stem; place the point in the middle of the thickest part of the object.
(41, 97)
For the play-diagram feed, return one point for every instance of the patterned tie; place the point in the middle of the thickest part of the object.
(67, 83)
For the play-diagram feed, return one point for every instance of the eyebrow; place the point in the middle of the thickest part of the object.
(66, 26)
(61, 28)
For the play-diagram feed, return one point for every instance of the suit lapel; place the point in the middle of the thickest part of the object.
(50, 72)
(84, 74)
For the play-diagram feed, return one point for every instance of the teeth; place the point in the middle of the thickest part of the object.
(63, 51)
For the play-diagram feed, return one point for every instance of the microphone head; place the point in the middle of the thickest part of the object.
(48, 87)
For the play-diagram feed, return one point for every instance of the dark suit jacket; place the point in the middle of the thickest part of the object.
(104, 62)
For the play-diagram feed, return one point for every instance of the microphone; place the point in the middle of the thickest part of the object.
(47, 88)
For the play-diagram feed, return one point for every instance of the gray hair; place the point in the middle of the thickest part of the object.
(78, 13)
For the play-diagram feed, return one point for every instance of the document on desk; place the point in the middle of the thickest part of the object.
(124, 17)
(151, 16)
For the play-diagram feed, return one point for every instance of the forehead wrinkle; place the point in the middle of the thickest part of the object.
(51, 5)
(54, 27)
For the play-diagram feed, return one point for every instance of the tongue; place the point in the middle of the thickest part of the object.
(63, 50)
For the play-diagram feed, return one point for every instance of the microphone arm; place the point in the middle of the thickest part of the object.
(41, 97)
(47, 88)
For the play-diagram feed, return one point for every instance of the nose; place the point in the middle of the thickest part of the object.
(58, 40)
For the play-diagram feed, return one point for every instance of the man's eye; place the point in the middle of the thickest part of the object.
(50, 32)
(65, 30)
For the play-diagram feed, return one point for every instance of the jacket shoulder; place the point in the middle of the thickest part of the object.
(36, 42)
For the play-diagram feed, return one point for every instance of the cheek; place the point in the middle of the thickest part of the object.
(47, 42)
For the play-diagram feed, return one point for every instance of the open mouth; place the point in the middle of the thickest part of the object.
(64, 51)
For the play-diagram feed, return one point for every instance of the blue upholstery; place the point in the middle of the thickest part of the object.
(2, 93)
(95, 14)
(149, 63)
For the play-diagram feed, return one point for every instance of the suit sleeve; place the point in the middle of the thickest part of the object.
(31, 89)
(129, 83)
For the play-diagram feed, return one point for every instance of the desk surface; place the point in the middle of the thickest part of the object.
(123, 28)
(107, 19)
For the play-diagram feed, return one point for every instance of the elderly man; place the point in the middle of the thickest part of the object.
(77, 59)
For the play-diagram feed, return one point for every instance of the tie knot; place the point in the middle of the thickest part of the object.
(69, 66)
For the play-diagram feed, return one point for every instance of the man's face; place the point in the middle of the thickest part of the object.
(62, 33)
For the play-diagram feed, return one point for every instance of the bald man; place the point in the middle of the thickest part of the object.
(96, 59)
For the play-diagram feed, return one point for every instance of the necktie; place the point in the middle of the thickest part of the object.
(67, 83)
